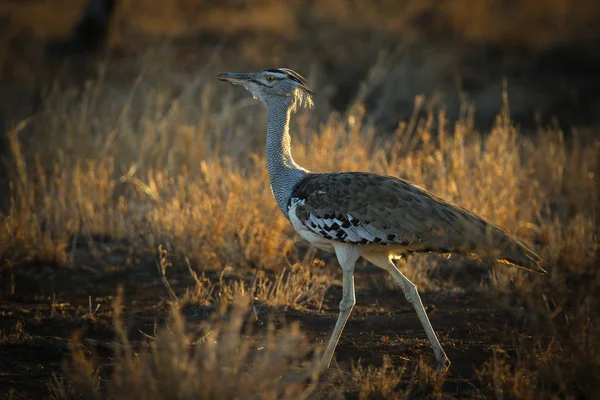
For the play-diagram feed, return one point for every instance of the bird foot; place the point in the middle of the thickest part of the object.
(443, 365)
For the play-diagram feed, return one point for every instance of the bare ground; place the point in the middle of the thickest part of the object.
(49, 306)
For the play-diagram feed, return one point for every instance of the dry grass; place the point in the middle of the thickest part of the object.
(389, 382)
(218, 361)
(499, 379)
(145, 186)
(171, 165)
(301, 286)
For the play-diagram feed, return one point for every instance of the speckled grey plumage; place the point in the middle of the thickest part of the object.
(284, 173)
(366, 209)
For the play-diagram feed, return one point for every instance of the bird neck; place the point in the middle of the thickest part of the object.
(283, 170)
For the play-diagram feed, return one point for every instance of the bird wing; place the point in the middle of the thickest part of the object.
(365, 208)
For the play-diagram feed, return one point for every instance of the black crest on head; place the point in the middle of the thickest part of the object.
(293, 75)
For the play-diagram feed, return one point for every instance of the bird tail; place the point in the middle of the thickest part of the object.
(522, 256)
(507, 249)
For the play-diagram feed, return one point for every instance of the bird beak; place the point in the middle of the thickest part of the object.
(234, 78)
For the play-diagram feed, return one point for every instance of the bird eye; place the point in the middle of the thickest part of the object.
(270, 78)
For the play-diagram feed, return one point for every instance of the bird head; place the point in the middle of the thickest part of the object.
(274, 86)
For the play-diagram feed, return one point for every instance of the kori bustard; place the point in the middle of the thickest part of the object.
(361, 214)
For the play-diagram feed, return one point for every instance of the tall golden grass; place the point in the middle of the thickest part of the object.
(190, 176)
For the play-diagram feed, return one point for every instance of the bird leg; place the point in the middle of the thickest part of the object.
(347, 257)
(412, 295)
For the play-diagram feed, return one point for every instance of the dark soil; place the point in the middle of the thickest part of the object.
(49, 305)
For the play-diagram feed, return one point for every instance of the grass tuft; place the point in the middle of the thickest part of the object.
(217, 360)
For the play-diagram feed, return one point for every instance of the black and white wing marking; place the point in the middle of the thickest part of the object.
(333, 209)
(342, 228)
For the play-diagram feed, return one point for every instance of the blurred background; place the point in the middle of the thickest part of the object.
(544, 53)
